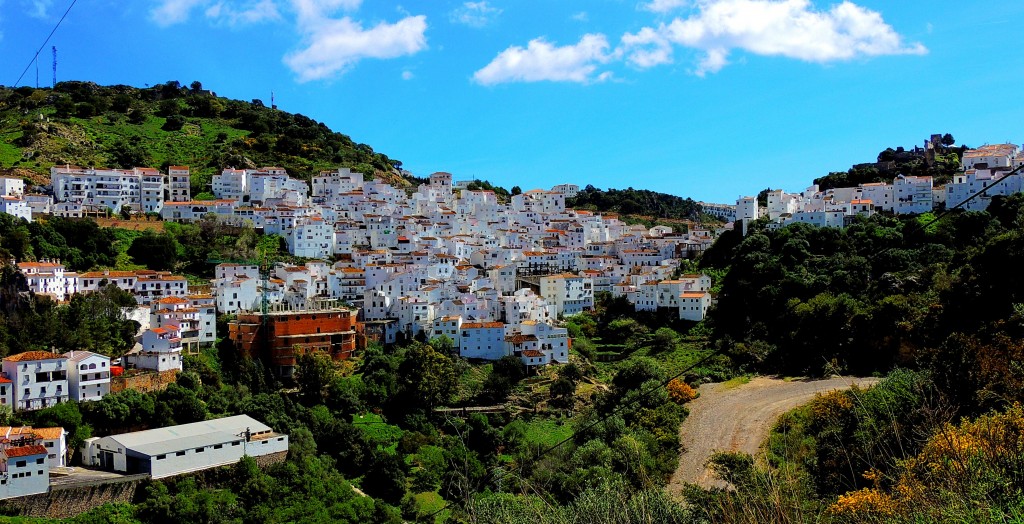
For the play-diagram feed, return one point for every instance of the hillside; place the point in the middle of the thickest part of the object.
(940, 160)
(168, 124)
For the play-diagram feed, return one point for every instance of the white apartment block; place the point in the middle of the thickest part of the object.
(97, 190)
(39, 379)
(50, 278)
(179, 184)
(569, 294)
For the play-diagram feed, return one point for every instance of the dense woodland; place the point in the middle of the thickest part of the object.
(939, 301)
(635, 202)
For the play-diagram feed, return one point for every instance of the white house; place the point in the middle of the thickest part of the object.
(12, 186)
(88, 375)
(15, 206)
(23, 471)
(484, 340)
(161, 350)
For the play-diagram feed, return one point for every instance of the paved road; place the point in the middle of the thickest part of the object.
(739, 419)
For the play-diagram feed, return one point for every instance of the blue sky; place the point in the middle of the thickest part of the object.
(709, 99)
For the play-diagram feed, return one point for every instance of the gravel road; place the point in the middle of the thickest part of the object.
(739, 419)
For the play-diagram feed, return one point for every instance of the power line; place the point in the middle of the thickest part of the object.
(40, 50)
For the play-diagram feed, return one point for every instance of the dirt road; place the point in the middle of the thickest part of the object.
(739, 419)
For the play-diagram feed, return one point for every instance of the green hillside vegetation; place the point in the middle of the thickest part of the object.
(84, 124)
(891, 163)
(939, 439)
(631, 201)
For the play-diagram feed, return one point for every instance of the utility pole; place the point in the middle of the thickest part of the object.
(54, 67)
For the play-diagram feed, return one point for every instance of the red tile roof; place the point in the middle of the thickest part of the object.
(33, 355)
(25, 451)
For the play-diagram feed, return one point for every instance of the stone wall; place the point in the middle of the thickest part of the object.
(144, 381)
(62, 503)
(271, 459)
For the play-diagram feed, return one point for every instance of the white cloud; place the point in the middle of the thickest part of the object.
(252, 13)
(647, 48)
(664, 6)
(543, 61)
(331, 43)
(232, 12)
(789, 28)
(335, 45)
(474, 14)
(407, 75)
(582, 16)
(39, 8)
(170, 12)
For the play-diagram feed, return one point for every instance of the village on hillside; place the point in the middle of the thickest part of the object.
(381, 265)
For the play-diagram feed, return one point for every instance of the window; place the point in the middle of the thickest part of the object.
(218, 446)
(200, 450)
(235, 443)
(20, 463)
(39, 460)
(180, 453)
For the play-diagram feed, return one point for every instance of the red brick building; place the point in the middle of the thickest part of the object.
(284, 335)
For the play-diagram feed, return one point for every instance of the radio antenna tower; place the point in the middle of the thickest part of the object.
(54, 67)
(274, 105)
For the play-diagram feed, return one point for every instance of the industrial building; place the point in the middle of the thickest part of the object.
(164, 452)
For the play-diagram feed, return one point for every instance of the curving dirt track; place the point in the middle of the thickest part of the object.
(739, 419)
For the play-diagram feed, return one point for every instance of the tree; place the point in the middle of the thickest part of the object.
(126, 155)
(174, 123)
(516, 190)
(196, 86)
(427, 376)
(386, 477)
(948, 140)
(315, 374)
(505, 373)
(126, 212)
(157, 251)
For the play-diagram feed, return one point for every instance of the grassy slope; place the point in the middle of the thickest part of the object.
(207, 144)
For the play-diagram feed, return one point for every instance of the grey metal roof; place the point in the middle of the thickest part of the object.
(185, 443)
(192, 435)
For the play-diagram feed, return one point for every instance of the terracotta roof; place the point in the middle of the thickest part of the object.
(33, 355)
(532, 353)
(25, 451)
(701, 294)
(48, 433)
(482, 325)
